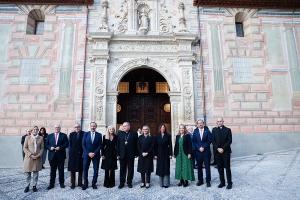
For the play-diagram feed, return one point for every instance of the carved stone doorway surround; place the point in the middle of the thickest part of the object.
(175, 66)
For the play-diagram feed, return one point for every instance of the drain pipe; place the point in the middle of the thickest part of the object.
(201, 64)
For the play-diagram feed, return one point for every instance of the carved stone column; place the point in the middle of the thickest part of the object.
(176, 113)
(185, 63)
(99, 60)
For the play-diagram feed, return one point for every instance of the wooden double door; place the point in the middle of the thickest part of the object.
(141, 109)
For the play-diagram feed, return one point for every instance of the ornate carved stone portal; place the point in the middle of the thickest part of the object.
(141, 34)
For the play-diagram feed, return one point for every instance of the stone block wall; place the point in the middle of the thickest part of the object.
(41, 76)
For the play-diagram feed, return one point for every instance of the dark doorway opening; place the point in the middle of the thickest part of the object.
(143, 99)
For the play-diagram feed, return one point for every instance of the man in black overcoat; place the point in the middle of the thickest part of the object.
(222, 139)
(75, 163)
(127, 151)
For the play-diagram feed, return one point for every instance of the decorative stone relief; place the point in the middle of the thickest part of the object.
(122, 18)
(187, 92)
(99, 93)
(121, 71)
(165, 24)
(143, 46)
(182, 20)
(104, 21)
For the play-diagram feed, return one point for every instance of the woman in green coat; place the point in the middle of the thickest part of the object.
(183, 154)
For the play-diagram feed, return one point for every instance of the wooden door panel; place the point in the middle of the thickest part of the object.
(143, 109)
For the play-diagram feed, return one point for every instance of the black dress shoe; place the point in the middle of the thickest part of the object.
(221, 185)
(72, 187)
(179, 184)
(129, 185)
(165, 186)
(50, 187)
(34, 189)
(200, 183)
(229, 186)
(84, 187)
(186, 183)
(26, 189)
(94, 187)
(208, 184)
(142, 185)
(62, 185)
(121, 186)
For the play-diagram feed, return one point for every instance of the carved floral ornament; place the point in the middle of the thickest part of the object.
(171, 78)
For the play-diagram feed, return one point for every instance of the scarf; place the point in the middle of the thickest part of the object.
(35, 141)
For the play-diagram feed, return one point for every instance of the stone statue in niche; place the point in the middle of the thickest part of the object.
(143, 19)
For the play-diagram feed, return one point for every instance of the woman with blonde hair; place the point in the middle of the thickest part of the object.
(183, 154)
(145, 162)
(33, 149)
(109, 156)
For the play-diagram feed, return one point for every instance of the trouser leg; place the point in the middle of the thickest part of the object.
(35, 178)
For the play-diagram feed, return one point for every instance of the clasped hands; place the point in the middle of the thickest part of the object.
(220, 150)
(55, 148)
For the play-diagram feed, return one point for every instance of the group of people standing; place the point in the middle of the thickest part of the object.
(125, 146)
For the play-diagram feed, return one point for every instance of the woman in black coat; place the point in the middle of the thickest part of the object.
(75, 163)
(44, 134)
(163, 154)
(145, 162)
(109, 157)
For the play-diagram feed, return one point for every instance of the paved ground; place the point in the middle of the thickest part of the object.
(267, 177)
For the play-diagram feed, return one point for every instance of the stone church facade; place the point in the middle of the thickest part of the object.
(70, 72)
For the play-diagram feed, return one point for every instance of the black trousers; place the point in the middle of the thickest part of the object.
(203, 158)
(86, 166)
(146, 177)
(109, 178)
(55, 164)
(73, 177)
(126, 167)
(223, 161)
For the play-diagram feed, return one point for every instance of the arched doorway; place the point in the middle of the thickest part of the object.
(143, 99)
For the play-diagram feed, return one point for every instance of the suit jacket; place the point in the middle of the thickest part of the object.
(187, 145)
(222, 138)
(89, 147)
(130, 150)
(205, 142)
(62, 143)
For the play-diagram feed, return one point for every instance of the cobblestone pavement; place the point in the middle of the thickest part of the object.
(269, 176)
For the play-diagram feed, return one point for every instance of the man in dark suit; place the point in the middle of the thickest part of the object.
(91, 144)
(222, 139)
(57, 143)
(201, 147)
(127, 151)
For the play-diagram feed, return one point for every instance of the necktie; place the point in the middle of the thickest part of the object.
(56, 138)
(201, 133)
(92, 137)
